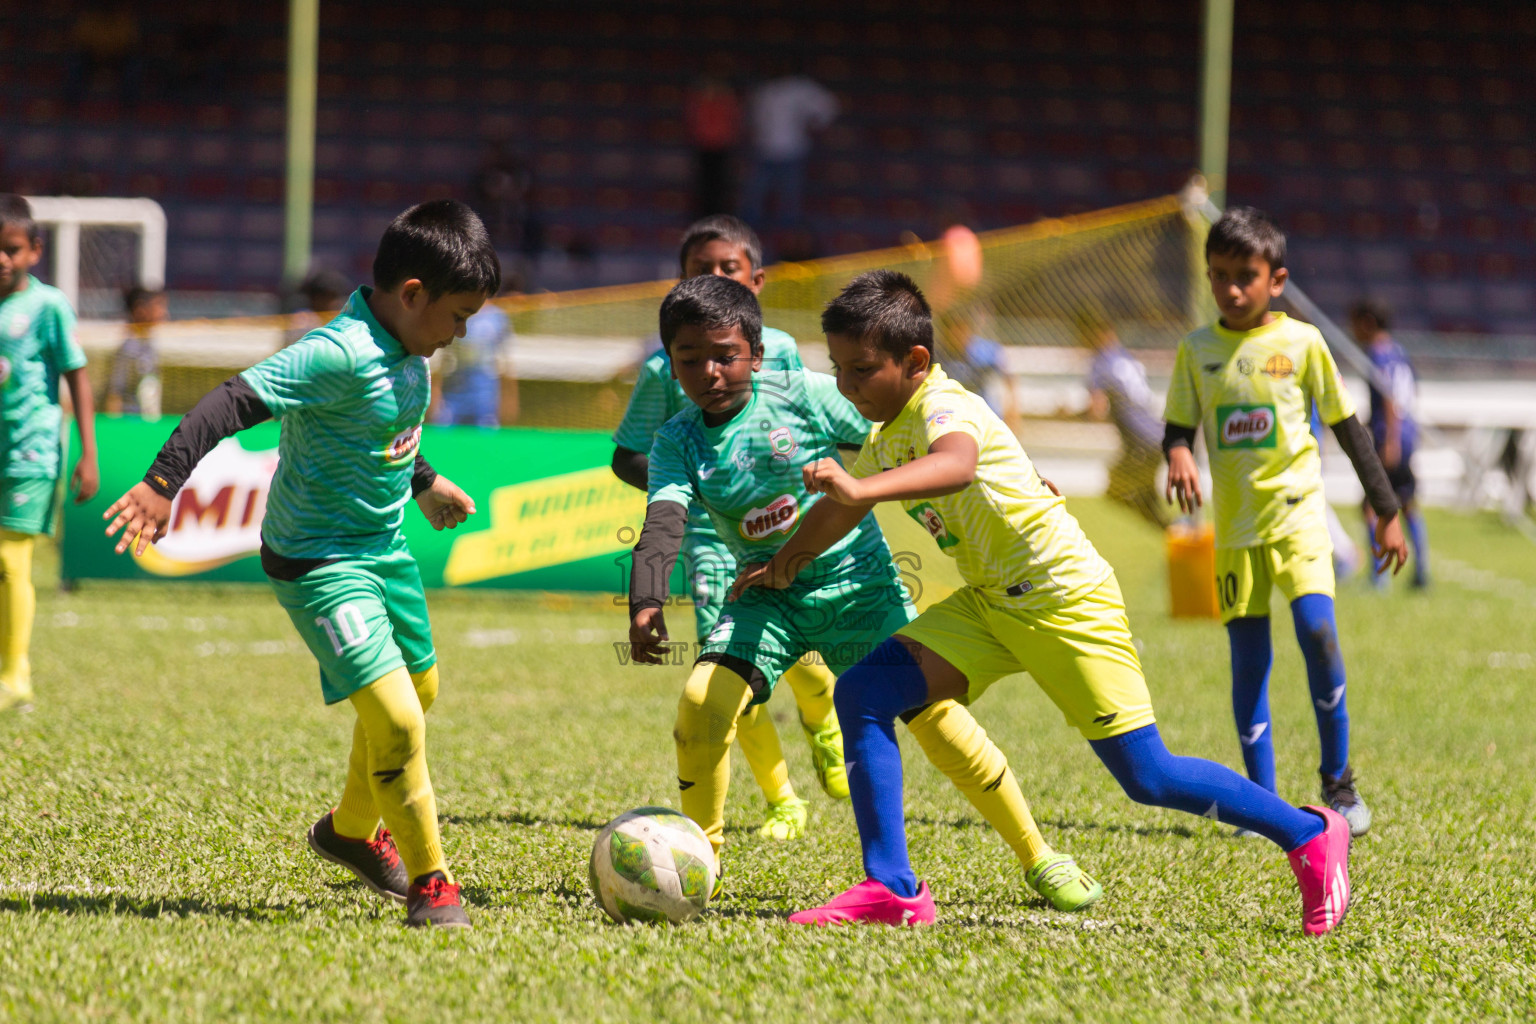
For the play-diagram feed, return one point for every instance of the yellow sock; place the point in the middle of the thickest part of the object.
(357, 816)
(812, 687)
(18, 603)
(711, 705)
(958, 746)
(759, 739)
(396, 733)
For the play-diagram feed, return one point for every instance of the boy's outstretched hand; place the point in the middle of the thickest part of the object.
(1390, 548)
(648, 637)
(1183, 479)
(445, 505)
(827, 476)
(141, 514)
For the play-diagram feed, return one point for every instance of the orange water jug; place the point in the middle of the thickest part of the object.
(1192, 571)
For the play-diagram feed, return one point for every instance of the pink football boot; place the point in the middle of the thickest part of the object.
(1322, 870)
(869, 902)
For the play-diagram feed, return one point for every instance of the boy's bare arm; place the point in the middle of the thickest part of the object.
(824, 525)
(86, 479)
(1183, 474)
(949, 466)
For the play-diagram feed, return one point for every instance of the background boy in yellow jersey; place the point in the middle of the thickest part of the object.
(37, 347)
(1038, 598)
(1249, 379)
(725, 246)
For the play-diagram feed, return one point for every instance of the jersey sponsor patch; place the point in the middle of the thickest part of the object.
(942, 418)
(5, 369)
(404, 446)
(780, 516)
(783, 443)
(1246, 426)
(928, 517)
(1280, 367)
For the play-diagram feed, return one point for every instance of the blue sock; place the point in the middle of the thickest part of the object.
(1252, 656)
(1420, 541)
(1318, 635)
(1149, 774)
(868, 698)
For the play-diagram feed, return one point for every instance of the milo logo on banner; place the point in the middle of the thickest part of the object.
(779, 517)
(1245, 426)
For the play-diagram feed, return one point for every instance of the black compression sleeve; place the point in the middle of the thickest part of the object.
(1357, 444)
(227, 409)
(423, 476)
(661, 538)
(1175, 436)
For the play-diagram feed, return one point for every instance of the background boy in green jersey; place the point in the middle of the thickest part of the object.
(351, 397)
(739, 451)
(1038, 598)
(37, 346)
(728, 247)
(1249, 379)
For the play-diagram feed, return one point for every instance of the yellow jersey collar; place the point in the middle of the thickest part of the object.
(1228, 334)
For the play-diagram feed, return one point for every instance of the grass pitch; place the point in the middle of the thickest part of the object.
(152, 810)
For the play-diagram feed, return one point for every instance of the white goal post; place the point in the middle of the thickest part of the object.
(68, 214)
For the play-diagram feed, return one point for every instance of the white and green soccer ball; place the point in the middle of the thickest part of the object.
(652, 864)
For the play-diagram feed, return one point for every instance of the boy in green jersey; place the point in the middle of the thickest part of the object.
(728, 247)
(1250, 379)
(739, 451)
(37, 347)
(351, 397)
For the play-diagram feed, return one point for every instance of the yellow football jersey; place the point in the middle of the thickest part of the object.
(1249, 392)
(1008, 534)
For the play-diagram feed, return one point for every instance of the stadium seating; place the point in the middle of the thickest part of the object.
(1401, 165)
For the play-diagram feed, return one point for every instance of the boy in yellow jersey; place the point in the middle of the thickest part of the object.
(1249, 379)
(351, 397)
(37, 347)
(726, 246)
(1038, 598)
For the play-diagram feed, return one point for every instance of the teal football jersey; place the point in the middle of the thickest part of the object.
(746, 473)
(37, 345)
(351, 401)
(657, 398)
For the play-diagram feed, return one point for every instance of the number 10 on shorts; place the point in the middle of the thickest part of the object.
(346, 628)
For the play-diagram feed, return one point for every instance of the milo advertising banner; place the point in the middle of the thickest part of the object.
(550, 514)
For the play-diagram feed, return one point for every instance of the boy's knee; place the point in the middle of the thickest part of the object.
(713, 699)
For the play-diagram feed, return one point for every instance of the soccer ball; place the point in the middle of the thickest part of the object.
(652, 864)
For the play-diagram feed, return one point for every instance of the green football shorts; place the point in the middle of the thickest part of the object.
(28, 504)
(766, 631)
(362, 618)
(711, 569)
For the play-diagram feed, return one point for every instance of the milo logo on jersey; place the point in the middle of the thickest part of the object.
(404, 446)
(780, 516)
(1245, 426)
(928, 517)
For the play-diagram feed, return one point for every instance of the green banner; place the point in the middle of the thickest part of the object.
(551, 515)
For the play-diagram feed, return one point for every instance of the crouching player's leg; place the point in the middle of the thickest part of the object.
(365, 621)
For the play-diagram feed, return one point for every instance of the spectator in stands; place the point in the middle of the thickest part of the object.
(1118, 391)
(321, 295)
(784, 115)
(106, 38)
(133, 386)
(977, 363)
(712, 116)
(468, 386)
(1392, 426)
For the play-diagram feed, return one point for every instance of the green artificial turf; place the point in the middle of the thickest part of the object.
(152, 810)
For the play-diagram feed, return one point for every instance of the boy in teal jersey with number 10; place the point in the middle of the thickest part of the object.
(37, 347)
(739, 451)
(351, 397)
(728, 247)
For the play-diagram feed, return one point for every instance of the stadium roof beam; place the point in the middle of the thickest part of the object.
(1216, 97)
(299, 191)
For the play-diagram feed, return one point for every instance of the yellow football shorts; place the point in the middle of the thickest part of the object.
(1299, 564)
(1081, 654)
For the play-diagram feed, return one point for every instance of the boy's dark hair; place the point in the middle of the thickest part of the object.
(724, 227)
(136, 296)
(1375, 310)
(712, 302)
(885, 306)
(443, 245)
(1245, 231)
(16, 211)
